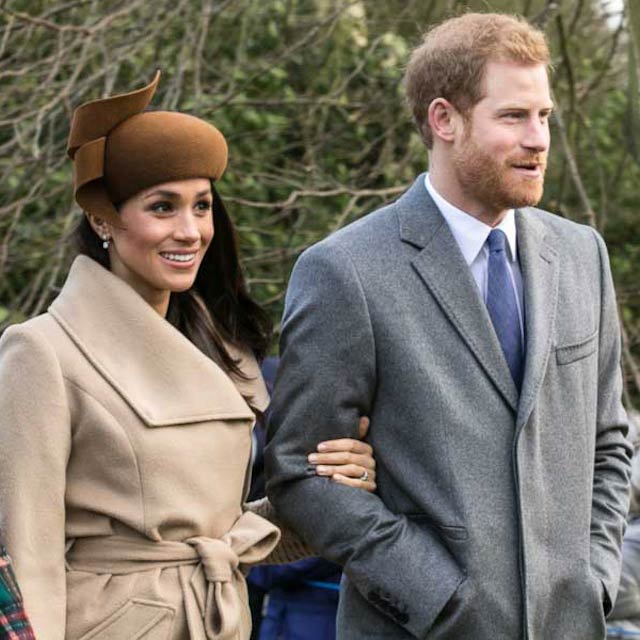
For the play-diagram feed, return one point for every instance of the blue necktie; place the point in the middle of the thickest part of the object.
(502, 305)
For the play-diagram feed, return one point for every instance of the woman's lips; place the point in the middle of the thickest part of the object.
(179, 260)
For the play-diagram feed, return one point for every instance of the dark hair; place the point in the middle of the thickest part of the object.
(218, 307)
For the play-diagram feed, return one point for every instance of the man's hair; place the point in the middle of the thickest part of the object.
(452, 58)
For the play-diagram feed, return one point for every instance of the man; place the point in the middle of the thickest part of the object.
(480, 335)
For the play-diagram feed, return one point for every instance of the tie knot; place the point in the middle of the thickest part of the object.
(497, 240)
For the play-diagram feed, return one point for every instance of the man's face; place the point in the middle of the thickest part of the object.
(500, 156)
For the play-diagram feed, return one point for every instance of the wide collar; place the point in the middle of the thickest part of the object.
(159, 372)
(444, 271)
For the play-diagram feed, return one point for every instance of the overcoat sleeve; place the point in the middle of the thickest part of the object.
(35, 443)
(326, 381)
(612, 469)
(291, 547)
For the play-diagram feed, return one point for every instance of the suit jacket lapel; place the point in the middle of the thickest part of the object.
(540, 277)
(444, 271)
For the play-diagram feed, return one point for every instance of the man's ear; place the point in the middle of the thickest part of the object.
(443, 118)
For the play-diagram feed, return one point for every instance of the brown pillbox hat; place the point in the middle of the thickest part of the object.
(118, 149)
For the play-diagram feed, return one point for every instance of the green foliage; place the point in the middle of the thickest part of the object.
(633, 113)
(309, 95)
(633, 15)
(633, 109)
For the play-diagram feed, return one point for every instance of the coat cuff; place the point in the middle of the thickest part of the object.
(291, 547)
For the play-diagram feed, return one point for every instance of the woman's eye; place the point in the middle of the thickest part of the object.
(203, 205)
(161, 207)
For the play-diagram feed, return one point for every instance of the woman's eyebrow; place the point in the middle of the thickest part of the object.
(163, 193)
(172, 194)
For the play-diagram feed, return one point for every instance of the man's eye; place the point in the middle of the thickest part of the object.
(513, 115)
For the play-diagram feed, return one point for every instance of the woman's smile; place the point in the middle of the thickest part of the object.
(179, 259)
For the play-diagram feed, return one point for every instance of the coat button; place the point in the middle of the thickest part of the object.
(403, 618)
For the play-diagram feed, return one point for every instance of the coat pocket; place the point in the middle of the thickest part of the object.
(570, 353)
(455, 539)
(136, 620)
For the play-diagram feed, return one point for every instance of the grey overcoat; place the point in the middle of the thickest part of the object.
(498, 516)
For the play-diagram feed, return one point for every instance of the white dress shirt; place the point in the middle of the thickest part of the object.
(471, 235)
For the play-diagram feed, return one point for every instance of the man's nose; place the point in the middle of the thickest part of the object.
(537, 136)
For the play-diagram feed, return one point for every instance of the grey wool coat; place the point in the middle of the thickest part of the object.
(498, 515)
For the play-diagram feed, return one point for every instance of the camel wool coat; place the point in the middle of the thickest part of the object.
(124, 456)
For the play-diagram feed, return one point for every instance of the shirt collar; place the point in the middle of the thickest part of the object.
(470, 233)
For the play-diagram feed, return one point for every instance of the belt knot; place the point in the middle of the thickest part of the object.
(219, 560)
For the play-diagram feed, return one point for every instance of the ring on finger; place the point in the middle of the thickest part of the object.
(364, 477)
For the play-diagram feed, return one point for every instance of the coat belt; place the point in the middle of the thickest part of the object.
(213, 592)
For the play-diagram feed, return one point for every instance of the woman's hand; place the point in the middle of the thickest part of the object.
(347, 461)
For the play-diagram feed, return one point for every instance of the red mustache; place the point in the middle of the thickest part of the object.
(537, 160)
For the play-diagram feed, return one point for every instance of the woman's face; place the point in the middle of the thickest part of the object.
(165, 233)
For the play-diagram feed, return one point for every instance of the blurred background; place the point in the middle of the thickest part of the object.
(309, 95)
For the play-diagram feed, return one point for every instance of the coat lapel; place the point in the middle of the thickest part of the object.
(161, 374)
(540, 276)
(444, 271)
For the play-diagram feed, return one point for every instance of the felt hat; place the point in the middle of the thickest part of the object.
(118, 149)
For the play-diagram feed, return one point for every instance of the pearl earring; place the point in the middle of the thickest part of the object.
(105, 242)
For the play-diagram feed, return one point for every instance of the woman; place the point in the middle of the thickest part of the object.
(126, 410)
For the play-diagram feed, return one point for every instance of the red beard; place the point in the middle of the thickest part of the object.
(498, 186)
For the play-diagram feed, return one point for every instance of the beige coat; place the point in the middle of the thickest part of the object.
(123, 463)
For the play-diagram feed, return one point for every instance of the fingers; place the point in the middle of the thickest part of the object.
(363, 427)
(369, 485)
(343, 458)
(351, 471)
(345, 445)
